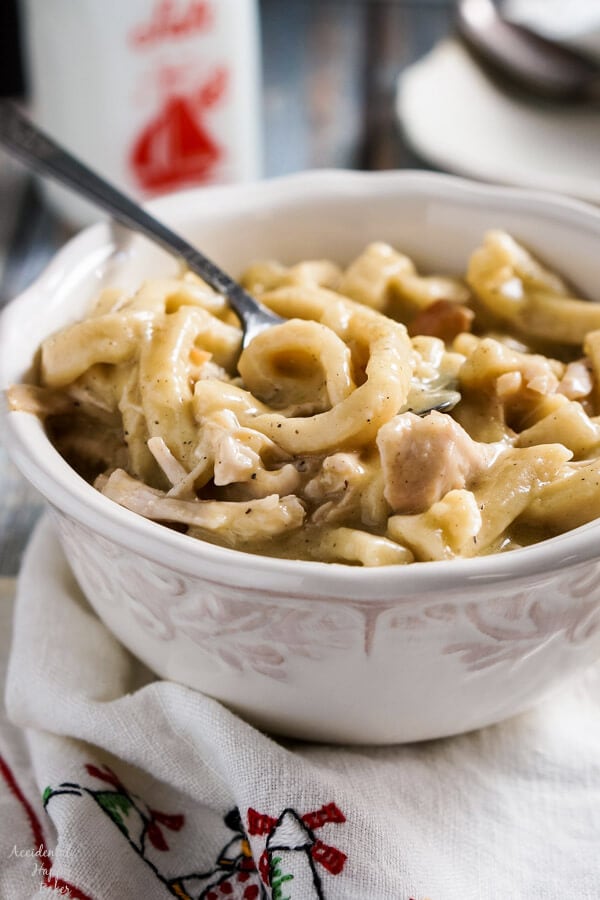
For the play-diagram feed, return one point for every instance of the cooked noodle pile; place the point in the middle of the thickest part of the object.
(312, 443)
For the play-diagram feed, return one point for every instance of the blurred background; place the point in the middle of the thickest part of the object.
(163, 94)
(329, 76)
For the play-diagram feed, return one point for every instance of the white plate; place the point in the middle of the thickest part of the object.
(457, 119)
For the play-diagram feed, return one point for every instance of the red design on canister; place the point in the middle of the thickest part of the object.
(168, 22)
(176, 147)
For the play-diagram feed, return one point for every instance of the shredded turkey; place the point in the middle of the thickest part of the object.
(249, 519)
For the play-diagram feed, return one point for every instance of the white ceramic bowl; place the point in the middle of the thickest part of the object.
(305, 649)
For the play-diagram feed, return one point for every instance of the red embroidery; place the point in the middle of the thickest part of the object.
(290, 843)
(330, 858)
(104, 774)
(259, 823)
(234, 871)
(156, 837)
(302, 841)
(263, 866)
(329, 813)
(49, 881)
(251, 892)
(108, 801)
(173, 822)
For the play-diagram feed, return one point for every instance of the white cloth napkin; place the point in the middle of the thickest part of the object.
(575, 23)
(128, 787)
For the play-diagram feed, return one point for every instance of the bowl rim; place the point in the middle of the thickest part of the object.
(41, 464)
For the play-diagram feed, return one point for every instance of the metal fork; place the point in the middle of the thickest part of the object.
(44, 156)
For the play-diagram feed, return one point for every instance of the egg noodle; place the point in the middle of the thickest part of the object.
(315, 442)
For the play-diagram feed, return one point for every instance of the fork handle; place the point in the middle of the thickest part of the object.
(44, 156)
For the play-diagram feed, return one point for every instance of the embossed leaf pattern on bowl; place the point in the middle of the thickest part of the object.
(516, 626)
(80, 543)
(249, 631)
(258, 633)
(507, 628)
(244, 632)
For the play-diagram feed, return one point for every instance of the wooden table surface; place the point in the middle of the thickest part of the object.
(330, 72)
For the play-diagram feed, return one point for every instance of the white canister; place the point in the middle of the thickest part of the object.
(157, 95)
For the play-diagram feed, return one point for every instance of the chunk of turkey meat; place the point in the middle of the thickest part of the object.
(424, 458)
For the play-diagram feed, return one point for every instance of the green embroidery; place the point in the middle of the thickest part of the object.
(46, 795)
(277, 879)
(115, 805)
